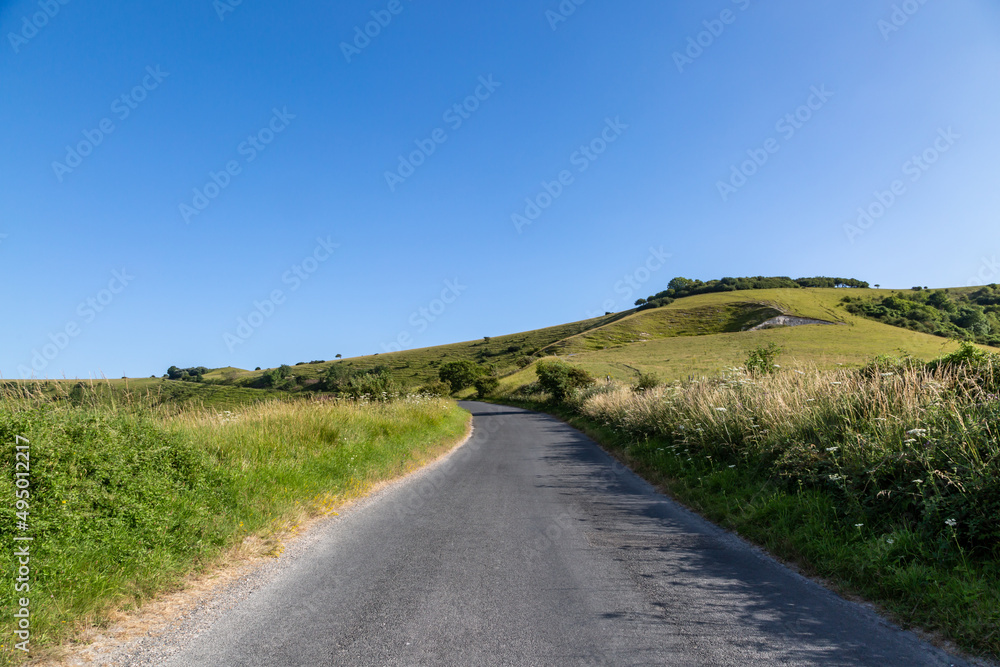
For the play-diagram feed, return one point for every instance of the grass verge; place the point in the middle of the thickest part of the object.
(125, 503)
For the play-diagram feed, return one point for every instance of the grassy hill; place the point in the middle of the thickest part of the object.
(705, 334)
(699, 335)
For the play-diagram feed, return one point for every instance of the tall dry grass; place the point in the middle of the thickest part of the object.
(915, 445)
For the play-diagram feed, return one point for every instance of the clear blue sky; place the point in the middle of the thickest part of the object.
(308, 129)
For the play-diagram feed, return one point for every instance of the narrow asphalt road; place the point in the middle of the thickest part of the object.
(530, 546)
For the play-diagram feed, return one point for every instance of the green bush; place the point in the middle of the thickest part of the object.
(760, 360)
(435, 388)
(460, 374)
(486, 385)
(646, 381)
(560, 379)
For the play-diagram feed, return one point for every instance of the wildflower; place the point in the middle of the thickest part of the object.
(918, 481)
(810, 400)
(916, 431)
(721, 410)
(858, 525)
(834, 478)
(832, 449)
(889, 540)
(906, 442)
(732, 466)
(885, 375)
(951, 522)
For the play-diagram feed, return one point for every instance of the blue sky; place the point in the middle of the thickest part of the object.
(277, 186)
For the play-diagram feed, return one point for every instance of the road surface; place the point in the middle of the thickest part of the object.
(530, 546)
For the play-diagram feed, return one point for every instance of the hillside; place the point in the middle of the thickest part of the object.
(705, 334)
(697, 335)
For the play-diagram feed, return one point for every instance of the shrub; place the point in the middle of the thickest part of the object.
(459, 374)
(560, 379)
(761, 359)
(486, 385)
(646, 381)
(435, 388)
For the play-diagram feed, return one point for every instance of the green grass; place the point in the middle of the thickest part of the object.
(127, 501)
(885, 481)
(702, 336)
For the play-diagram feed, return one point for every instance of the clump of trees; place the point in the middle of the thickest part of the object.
(973, 316)
(276, 378)
(193, 374)
(681, 287)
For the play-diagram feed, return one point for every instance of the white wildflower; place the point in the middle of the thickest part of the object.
(951, 522)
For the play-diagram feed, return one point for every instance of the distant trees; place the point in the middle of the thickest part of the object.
(338, 357)
(193, 374)
(969, 316)
(277, 378)
(681, 287)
